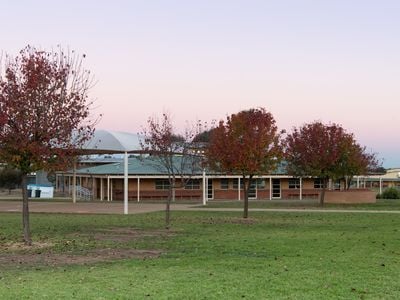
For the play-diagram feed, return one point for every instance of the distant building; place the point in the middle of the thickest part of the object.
(380, 181)
(147, 181)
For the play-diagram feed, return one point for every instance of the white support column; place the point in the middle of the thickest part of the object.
(380, 185)
(111, 189)
(126, 183)
(358, 182)
(108, 188)
(270, 188)
(301, 189)
(94, 188)
(74, 182)
(138, 189)
(204, 187)
(239, 188)
(101, 189)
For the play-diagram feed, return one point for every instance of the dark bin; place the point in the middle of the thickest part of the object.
(29, 193)
(37, 193)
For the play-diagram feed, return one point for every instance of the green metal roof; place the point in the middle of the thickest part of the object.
(138, 166)
(150, 166)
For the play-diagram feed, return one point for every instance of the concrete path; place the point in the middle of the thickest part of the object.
(136, 208)
(298, 210)
(86, 207)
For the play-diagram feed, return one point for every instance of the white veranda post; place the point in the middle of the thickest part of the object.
(126, 183)
(204, 188)
(74, 182)
(301, 189)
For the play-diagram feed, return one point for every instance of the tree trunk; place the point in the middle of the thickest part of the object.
(246, 188)
(25, 212)
(171, 196)
(168, 208)
(322, 196)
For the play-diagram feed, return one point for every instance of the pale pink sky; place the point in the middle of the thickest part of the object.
(303, 60)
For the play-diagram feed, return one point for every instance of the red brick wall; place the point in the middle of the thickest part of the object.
(350, 196)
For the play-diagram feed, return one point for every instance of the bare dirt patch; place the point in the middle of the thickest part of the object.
(20, 246)
(241, 221)
(56, 259)
(40, 254)
(129, 234)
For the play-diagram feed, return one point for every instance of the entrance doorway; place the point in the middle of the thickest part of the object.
(210, 191)
(276, 188)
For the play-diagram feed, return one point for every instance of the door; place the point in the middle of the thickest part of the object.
(276, 188)
(253, 189)
(210, 191)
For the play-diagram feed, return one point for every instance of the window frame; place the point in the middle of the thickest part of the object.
(224, 183)
(161, 184)
(318, 183)
(294, 183)
(192, 184)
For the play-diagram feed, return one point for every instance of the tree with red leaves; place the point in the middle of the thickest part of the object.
(354, 160)
(44, 112)
(326, 152)
(247, 143)
(173, 154)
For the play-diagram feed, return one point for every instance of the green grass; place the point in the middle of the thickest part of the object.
(380, 204)
(214, 255)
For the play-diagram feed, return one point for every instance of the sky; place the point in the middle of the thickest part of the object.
(334, 61)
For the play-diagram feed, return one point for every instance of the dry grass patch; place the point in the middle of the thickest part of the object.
(241, 221)
(56, 259)
(129, 234)
(42, 253)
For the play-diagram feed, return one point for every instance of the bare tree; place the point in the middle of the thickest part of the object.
(172, 154)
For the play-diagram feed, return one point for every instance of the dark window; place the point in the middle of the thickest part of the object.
(224, 184)
(193, 184)
(162, 184)
(318, 183)
(235, 183)
(294, 183)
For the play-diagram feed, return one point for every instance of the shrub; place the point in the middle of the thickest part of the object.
(10, 178)
(390, 193)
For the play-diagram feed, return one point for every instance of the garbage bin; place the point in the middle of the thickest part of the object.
(37, 193)
(29, 193)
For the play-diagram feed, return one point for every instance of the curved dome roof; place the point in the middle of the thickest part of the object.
(106, 141)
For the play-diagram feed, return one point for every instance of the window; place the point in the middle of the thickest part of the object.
(294, 183)
(162, 184)
(224, 184)
(235, 184)
(318, 183)
(336, 185)
(261, 183)
(193, 184)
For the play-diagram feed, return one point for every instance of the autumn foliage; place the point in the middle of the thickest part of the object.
(44, 111)
(326, 152)
(247, 144)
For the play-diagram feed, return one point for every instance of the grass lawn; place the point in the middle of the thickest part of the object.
(381, 204)
(208, 255)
